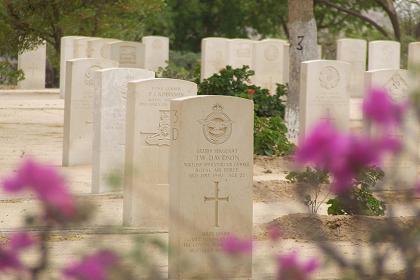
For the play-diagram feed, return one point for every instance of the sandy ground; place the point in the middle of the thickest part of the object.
(31, 123)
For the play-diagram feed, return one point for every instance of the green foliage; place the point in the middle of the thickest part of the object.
(182, 65)
(309, 183)
(360, 201)
(270, 137)
(269, 128)
(9, 75)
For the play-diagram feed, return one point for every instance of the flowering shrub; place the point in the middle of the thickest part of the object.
(290, 267)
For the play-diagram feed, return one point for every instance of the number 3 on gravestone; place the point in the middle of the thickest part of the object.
(299, 45)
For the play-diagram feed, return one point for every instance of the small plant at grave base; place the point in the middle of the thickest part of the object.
(311, 179)
(269, 128)
(360, 201)
(9, 75)
(181, 65)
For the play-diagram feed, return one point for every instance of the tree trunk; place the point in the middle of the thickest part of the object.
(303, 46)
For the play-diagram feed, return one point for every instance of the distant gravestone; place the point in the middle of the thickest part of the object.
(66, 53)
(211, 171)
(213, 56)
(147, 149)
(33, 65)
(354, 51)
(414, 54)
(81, 46)
(109, 114)
(324, 93)
(240, 52)
(78, 109)
(384, 55)
(156, 52)
(96, 47)
(268, 64)
(396, 82)
(128, 54)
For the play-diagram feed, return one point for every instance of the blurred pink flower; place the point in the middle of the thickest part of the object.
(379, 108)
(343, 155)
(289, 267)
(274, 232)
(92, 267)
(46, 183)
(233, 245)
(9, 254)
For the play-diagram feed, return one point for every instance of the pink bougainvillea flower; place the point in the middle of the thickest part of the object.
(9, 253)
(92, 267)
(379, 108)
(289, 267)
(232, 245)
(274, 233)
(46, 183)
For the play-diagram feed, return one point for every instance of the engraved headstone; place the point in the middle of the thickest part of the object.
(213, 56)
(396, 82)
(148, 138)
(78, 109)
(354, 52)
(81, 49)
(128, 54)
(96, 47)
(384, 55)
(240, 52)
(269, 63)
(324, 93)
(66, 53)
(156, 52)
(109, 114)
(33, 65)
(211, 161)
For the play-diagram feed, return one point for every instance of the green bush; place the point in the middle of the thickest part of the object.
(270, 137)
(9, 75)
(360, 201)
(269, 130)
(309, 183)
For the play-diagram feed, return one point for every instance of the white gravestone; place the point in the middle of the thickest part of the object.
(147, 149)
(269, 64)
(354, 51)
(240, 52)
(213, 56)
(128, 54)
(66, 53)
(33, 65)
(324, 94)
(156, 52)
(396, 82)
(109, 114)
(211, 167)
(81, 47)
(384, 55)
(96, 47)
(78, 109)
(414, 64)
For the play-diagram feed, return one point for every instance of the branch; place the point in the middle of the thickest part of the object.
(353, 13)
(393, 17)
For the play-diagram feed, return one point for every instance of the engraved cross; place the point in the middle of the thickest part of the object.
(216, 200)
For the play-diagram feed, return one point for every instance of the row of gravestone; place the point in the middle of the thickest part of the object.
(156, 133)
(151, 53)
(270, 58)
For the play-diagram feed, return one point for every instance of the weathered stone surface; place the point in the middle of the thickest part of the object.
(33, 65)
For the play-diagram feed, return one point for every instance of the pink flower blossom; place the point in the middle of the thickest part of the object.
(233, 245)
(379, 108)
(9, 254)
(343, 155)
(92, 267)
(289, 267)
(274, 232)
(46, 183)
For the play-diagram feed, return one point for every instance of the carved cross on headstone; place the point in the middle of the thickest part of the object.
(216, 200)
